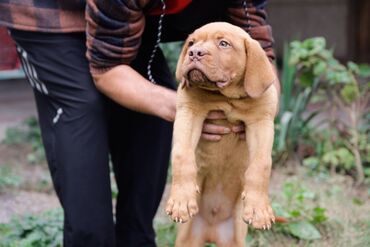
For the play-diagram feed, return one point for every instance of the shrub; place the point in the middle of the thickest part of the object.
(44, 230)
(310, 75)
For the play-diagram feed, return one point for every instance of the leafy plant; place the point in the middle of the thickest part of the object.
(310, 75)
(344, 100)
(333, 154)
(34, 231)
(301, 211)
(166, 234)
(291, 123)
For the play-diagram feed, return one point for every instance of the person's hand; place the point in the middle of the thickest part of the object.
(214, 132)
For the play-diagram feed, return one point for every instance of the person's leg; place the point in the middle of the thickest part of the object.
(140, 147)
(74, 133)
(141, 164)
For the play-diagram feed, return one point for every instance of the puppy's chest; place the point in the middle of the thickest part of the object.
(234, 109)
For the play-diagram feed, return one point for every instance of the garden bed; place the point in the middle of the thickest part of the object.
(342, 210)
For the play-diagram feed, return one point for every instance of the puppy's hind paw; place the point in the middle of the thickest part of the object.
(182, 208)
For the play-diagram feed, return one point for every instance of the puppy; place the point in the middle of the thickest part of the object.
(217, 187)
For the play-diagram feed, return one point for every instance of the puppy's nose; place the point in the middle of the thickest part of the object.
(196, 53)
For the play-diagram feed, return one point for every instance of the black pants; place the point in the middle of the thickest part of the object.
(74, 120)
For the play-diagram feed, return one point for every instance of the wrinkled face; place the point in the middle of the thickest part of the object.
(213, 57)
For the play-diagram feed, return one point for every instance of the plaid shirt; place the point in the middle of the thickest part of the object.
(43, 15)
(114, 28)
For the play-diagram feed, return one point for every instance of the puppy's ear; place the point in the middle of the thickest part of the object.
(259, 72)
(179, 73)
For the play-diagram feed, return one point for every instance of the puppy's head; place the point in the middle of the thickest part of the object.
(220, 55)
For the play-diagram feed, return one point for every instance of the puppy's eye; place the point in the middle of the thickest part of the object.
(224, 43)
(190, 43)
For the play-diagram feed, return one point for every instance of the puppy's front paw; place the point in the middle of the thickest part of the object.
(257, 210)
(182, 204)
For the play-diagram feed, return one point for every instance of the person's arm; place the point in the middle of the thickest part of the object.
(128, 88)
(155, 100)
(113, 32)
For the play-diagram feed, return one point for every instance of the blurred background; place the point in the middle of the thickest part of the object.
(321, 176)
(343, 23)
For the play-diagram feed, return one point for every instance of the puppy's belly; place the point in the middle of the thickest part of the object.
(215, 204)
(221, 166)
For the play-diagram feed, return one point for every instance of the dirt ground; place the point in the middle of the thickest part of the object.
(33, 191)
(346, 205)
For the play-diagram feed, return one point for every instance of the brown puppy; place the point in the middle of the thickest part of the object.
(218, 185)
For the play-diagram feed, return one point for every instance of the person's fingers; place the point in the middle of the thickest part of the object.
(238, 128)
(209, 128)
(214, 132)
(210, 137)
(242, 136)
(216, 115)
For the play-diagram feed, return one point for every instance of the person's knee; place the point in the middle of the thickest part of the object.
(92, 234)
(84, 237)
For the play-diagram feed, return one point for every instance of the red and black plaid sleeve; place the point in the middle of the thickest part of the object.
(114, 30)
(251, 16)
(43, 16)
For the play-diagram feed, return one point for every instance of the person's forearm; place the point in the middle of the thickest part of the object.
(128, 88)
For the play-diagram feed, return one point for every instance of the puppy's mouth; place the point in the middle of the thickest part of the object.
(198, 78)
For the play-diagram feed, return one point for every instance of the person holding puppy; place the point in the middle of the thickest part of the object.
(133, 123)
(128, 66)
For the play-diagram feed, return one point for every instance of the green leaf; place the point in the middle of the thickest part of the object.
(367, 171)
(304, 230)
(319, 43)
(319, 68)
(330, 158)
(295, 213)
(364, 70)
(284, 124)
(311, 162)
(350, 92)
(353, 67)
(279, 210)
(307, 78)
(288, 188)
(319, 215)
